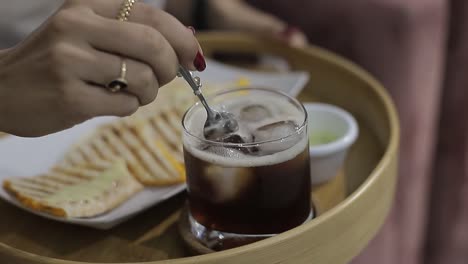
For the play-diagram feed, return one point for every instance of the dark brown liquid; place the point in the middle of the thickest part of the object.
(271, 199)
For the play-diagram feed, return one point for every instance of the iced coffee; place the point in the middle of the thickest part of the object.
(255, 181)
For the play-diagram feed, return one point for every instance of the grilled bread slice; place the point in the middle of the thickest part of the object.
(77, 191)
(151, 145)
(163, 151)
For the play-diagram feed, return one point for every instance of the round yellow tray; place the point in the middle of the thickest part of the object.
(351, 208)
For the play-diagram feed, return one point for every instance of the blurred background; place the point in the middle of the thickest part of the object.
(417, 48)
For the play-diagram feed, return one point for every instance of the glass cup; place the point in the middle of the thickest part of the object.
(256, 182)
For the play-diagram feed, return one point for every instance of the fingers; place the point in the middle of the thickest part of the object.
(147, 26)
(294, 37)
(85, 100)
(138, 42)
(92, 66)
(239, 15)
(90, 101)
(180, 37)
(101, 68)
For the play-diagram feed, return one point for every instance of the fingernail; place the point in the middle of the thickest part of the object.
(192, 29)
(199, 62)
(289, 31)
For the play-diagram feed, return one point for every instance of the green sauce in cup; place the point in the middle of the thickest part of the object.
(321, 137)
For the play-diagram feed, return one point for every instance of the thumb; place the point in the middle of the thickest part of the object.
(240, 16)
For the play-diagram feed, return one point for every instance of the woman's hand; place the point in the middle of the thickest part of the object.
(55, 78)
(240, 16)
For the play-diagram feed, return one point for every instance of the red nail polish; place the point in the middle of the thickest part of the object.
(199, 62)
(192, 29)
(289, 31)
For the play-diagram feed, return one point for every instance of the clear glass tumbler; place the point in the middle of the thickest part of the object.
(255, 183)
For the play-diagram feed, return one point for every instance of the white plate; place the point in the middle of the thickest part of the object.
(290, 83)
(22, 157)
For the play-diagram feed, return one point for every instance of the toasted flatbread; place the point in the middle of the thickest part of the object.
(168, 155)
(85, 190)
(150, 143)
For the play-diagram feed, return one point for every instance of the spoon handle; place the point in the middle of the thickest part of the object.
(187, 75)
(195, 85)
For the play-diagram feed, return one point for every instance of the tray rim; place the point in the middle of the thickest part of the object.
(388, 160)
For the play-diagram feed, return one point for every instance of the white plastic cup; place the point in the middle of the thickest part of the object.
(326, 159)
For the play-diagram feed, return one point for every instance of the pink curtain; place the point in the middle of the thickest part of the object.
(419, 50)
(447, 232)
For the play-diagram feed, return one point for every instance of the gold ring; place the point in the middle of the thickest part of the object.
(120, 83)
(125, 9)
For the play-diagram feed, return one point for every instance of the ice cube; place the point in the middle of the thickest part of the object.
(254, 113)
(214, 132)
(277, 132)
(242, 135)
(229, 184)
(224, 123)
(232, 153)
(238, 139)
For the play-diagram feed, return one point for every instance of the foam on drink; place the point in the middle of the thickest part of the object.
(280, 110)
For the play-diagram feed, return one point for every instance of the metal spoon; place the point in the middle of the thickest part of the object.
(218, 123)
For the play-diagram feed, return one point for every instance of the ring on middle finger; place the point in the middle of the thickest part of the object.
(121, 82)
